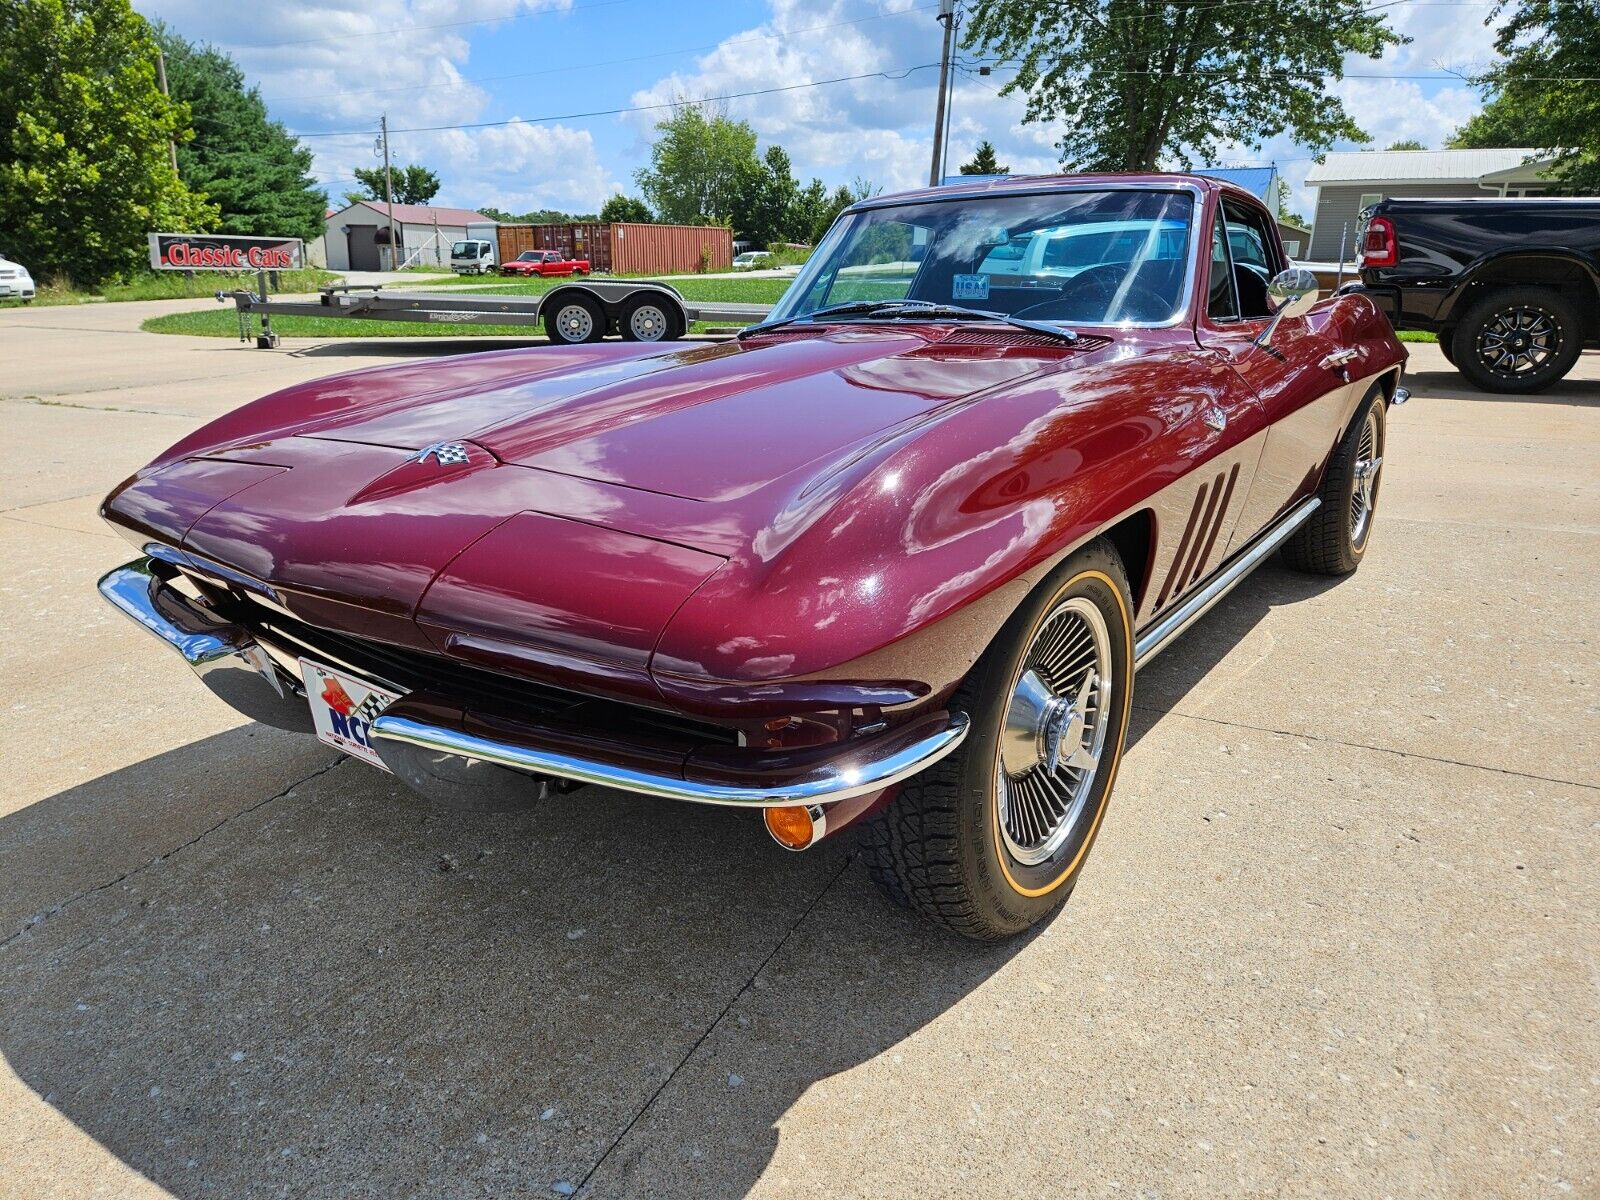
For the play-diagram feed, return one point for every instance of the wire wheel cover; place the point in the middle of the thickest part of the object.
(1368, 464)
(1518, 341)
(1054, 732)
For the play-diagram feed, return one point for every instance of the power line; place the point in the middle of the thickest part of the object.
(892, 76)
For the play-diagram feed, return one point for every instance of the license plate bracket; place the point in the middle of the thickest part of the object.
(343, 707)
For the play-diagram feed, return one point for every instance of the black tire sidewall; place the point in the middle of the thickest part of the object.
(1009, 895)
(1464, 352)
(552, 326)
(674, 323)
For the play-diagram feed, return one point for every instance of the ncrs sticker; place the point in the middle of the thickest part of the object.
(224, 252)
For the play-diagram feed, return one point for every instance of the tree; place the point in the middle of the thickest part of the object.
(1285, 213)
(625, 209)
(85, 133)
(1134, 83)
(246, 164)
(697, 165)
(763, 210)
(537, 216)
(842, 198)
(984, 162)
(1408, 144)
(810, 209)
(413, 184)
(1533, 99)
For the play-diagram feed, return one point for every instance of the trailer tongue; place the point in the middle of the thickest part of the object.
(639, 310)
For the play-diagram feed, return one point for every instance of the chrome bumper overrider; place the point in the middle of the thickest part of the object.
(439, 758)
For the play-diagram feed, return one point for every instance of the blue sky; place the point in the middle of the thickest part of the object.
(332, 68)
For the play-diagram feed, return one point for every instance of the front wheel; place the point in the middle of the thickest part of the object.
(992, 839)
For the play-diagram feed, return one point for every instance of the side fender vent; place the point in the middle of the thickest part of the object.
(1199, 536)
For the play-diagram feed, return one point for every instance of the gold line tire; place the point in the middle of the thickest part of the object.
(959, 842)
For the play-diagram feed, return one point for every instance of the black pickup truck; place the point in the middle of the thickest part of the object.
(1512, 287)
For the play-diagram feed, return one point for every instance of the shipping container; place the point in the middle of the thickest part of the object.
(627, 249)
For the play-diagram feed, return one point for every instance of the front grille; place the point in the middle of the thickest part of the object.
(471, 686)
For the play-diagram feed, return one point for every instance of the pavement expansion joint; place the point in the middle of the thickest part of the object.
(55, 910)
(1156, 711)
(717, 1020)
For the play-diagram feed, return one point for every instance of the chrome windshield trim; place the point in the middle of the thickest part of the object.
(1183, 315)
(862, 768)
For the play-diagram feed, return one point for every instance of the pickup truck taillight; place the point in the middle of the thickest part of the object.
(1379, 247)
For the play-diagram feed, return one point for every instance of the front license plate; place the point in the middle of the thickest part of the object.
(343, 708)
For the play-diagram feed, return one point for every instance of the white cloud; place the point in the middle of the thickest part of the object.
(326, 67)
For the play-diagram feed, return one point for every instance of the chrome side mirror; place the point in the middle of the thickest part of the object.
(1291, 293)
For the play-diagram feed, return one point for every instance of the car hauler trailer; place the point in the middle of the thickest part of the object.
(638, 310)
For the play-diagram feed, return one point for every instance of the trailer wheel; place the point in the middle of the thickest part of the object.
(648, 319)
(574, 320)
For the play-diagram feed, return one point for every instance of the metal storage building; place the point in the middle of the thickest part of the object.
(356, 238)
(625, 248)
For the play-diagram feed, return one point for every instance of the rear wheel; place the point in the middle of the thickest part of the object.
(1334, 539)
(650, 320)
(1518, 340)
(1447, 344)
(575, 320)
(993, 838)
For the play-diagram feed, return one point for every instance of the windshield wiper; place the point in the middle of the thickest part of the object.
(896, 309)
(850, 306)
(930, 308)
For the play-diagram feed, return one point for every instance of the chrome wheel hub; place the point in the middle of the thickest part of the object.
(1054, 732)
(1368, 463)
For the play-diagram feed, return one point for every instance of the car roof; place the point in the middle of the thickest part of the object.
(1021, 184)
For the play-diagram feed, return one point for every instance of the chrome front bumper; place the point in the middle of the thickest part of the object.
(442, 754)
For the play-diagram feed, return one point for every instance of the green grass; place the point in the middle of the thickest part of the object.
(1417, 335)
(173, 285)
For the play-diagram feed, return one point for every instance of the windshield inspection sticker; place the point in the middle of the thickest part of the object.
(969, 287)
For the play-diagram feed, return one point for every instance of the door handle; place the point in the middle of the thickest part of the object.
(1214, 418)
(1338, 360)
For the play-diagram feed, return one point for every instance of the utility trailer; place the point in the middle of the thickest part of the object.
(639, 310)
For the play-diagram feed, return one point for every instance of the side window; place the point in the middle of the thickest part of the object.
(1255, 255)
(1222, 304)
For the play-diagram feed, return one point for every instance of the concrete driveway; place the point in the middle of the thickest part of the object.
(1338, 938)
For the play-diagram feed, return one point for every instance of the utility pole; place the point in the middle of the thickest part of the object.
(388, 195)
(947, 17)
(161, 78)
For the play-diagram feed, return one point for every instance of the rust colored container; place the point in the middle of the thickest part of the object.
(627, 249)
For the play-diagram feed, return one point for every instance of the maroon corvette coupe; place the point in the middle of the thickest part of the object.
(890, 557)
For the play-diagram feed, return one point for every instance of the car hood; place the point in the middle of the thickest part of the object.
(579, 506)
(709, 422)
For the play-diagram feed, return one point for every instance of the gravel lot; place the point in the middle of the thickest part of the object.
(1338, 938)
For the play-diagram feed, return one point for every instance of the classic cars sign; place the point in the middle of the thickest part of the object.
(224, 252)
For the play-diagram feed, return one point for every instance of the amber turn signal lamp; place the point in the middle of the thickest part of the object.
(792, 828)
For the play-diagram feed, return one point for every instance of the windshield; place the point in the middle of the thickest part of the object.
(531, 256)
(1081, 257)
(467, 249)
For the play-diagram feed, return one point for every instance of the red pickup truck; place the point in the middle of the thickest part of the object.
(544, 262)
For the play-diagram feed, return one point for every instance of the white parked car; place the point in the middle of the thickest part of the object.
(15, 282)
(750, 259)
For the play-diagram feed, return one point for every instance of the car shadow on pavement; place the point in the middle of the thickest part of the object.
(342, 990)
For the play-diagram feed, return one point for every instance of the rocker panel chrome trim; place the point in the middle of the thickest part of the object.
(1158, 636)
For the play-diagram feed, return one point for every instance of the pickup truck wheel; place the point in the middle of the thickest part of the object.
(1518, 340)
(1447, 344)
(575, 320)
(1334, 539)
(992, 839)
(650, 320)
